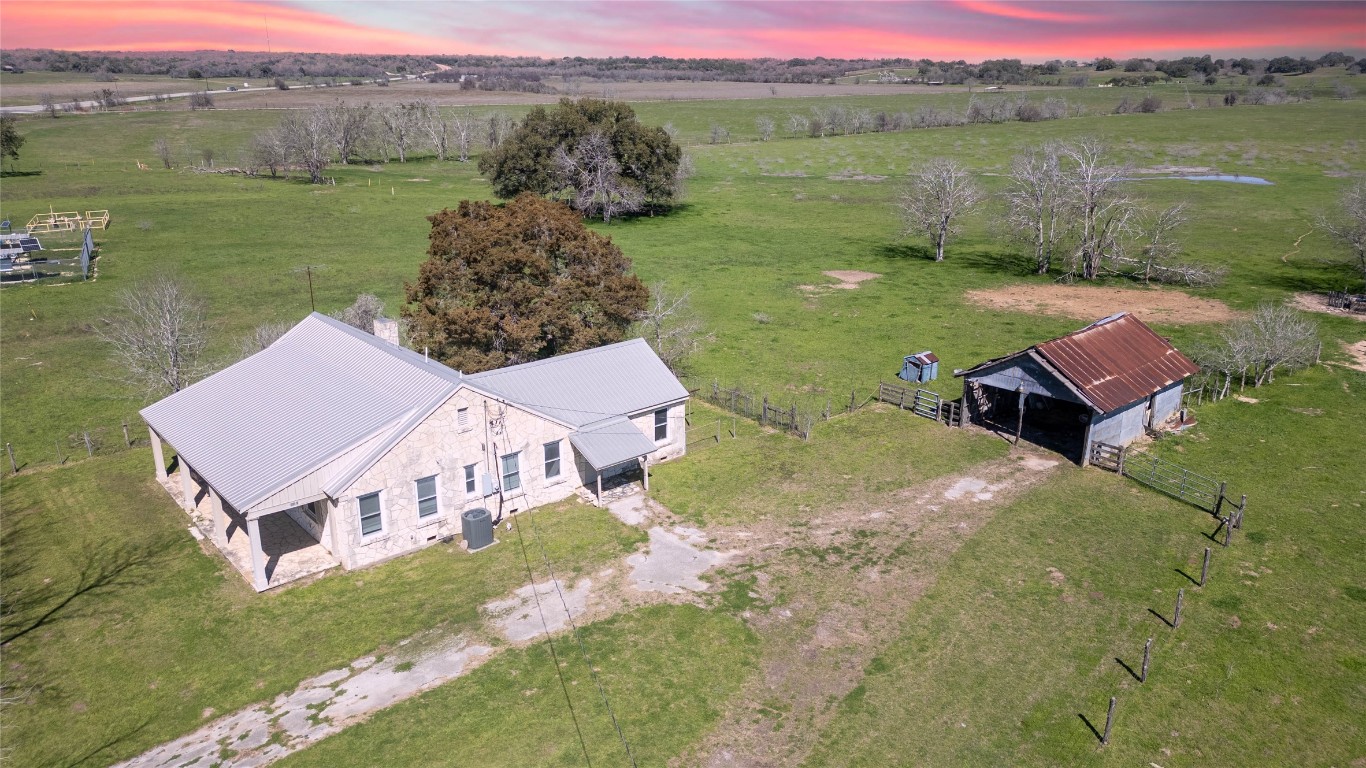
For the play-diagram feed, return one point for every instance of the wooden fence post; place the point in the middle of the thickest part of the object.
(827, 409)
(1219, 502)
(853, 398)
(13, 465)
(1147, 656)
(1176, 617)
(763, 418)
(718, 431)
(1204, 569)
(1228, 531)
(793, 417)
(127, 441)
(89, 445)
(1109, 720)
(1123, 450)
(58, 445)
(1242, 505)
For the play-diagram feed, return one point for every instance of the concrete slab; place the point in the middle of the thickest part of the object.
(519, 617)
(672, 564)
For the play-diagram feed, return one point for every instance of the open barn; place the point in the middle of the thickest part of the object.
(1109, 382)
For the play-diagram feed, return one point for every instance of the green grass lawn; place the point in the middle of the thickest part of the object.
(172, 635)
(139, 663)
(665, 671)
(997, 663)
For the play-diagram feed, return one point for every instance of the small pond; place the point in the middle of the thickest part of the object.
(1215, 177)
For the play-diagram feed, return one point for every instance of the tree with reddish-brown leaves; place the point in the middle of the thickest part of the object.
(518, 282)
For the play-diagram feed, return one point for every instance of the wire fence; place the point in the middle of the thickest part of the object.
(83, 443)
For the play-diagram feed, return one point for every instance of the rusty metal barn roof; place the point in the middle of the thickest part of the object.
(1117, 361)
(1110, 363)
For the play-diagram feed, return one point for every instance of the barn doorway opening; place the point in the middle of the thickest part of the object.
(1048, 422)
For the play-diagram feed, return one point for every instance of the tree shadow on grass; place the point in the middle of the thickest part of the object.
(904, 252)
(100, 570)
(17, 174)
(89, 756)
(1092, 727)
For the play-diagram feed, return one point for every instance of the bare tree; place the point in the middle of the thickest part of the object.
(1349, 228)
(797, 124)
(362, 312)
(498, 127)
(1035, 203)
(1158, 247)
(669, 325)
(202, 100)
(158, 334)
(720, 134)
(1099, 202)
(461, 127)
(349, 128)
(765, 126)
(162, 148)
(308, 140)
(49, 104)
(936, 199)
(1275, 337)
(593, 173)
(431, 122)
(400, 123)
(268, 150)
(263, 336)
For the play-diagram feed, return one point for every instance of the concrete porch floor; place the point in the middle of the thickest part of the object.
(291, 553)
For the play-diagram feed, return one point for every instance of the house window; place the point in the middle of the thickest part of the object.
(662, 424)
(552, 459)
(426, 497)
(471, 486)
(512, 476)
(371, 521)
(314, 510)
(462, 418)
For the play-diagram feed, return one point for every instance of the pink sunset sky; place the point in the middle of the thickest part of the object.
(966, 29)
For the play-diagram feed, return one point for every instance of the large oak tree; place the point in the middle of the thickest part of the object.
(644, 159)
(519, 282)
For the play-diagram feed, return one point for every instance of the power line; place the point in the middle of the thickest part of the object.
(531, 580)
(582, 649)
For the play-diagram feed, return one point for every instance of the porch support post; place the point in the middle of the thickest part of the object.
(185, 484)
(258, 556)
(1019, 424)
(645, 471)
(157, 454)
(599, 474)
(220, 517)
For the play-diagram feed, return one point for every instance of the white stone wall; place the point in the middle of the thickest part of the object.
(440, 446)
(676, 444)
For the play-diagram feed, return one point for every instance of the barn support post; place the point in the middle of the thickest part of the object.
(599, 474)
(1019, 421)
(645, 471)
(220, 517)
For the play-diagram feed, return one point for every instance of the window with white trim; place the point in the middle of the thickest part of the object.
(512, 474)
(471, 482)
(426, 497)
(661, 424)
(371, 514)
(552, 459)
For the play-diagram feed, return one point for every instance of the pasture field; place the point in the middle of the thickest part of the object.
(992, 643)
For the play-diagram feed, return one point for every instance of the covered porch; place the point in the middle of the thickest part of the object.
(268, 551)
(614, 451)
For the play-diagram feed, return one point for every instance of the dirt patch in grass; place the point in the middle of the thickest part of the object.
(1357, 353)
(1092, 303)
(829, 591)
(852, 176)
(1317, 302)
(850, 278)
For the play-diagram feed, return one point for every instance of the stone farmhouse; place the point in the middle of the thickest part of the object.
(1109, 382)
(337, 447)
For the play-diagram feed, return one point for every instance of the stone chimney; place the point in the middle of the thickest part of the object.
(387, 329)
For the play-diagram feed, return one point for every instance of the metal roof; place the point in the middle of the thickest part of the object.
(583, 387)
(611, 442)
(324, 386)
(1112, 362)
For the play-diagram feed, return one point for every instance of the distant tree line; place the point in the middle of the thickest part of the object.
(197, 64)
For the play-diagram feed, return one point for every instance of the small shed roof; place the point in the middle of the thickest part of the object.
(584, 387)
(1112, 362)
(611, 442)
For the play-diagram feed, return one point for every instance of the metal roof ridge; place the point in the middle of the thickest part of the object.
(557, 358)
(403, 354)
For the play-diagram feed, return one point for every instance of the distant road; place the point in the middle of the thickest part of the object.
(33, 109)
